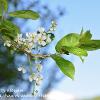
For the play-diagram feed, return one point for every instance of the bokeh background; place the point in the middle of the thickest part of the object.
(71, 16)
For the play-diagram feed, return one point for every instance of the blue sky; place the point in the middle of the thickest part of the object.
(86, 14)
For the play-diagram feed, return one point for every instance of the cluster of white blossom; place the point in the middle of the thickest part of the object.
(32, 40)
(29, 42)
(34, 76)
(52, 27)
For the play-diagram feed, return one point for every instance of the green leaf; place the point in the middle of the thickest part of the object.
(9, 29)
(70, 40)
(86, 42)
(90, 45)
(28, 14)
(82, 59)
(85, 36)
(65, 66)
(3, 6)
(75, 50)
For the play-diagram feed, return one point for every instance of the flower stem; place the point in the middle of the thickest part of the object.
(30, 63)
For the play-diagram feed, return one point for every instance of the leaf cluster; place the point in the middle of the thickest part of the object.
(77, 44)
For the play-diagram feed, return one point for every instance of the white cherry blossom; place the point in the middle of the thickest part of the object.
(7, 43)
(22, 69)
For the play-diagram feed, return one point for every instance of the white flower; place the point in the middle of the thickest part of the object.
(28, 34)
(54, 23)
(22, 69)
(35, 77)
(48, 40)
(40, 39)
(53, 27)
(38, 80)
(44, 33)
(30, 45)
(23, 40)
(32, 40)
(35, 40)
(7, 43)
(37, 37)
(43, 43)
(30, 78)
(44, 37)
(19, 68)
